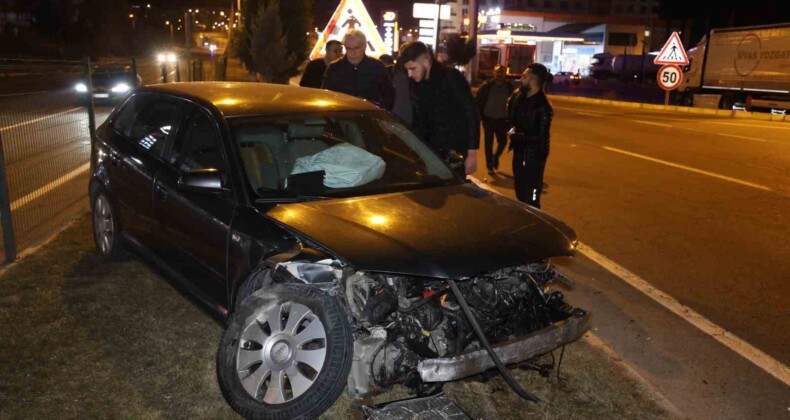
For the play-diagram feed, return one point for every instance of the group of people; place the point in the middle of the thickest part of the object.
(437, 102)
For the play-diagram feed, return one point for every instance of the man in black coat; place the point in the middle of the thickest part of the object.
(313, 75)
(358, 75)
(446, 113)
(530, 114)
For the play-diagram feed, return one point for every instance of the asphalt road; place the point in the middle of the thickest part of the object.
(699, 208)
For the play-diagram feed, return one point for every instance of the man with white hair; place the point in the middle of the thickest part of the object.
(358, 75)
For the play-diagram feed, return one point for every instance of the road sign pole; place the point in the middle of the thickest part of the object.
(666, 98)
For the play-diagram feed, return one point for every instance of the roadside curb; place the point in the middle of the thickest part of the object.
(760, 116)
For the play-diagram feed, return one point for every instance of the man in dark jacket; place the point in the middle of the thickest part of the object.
(313, 75)
(530, 114)
(446, 116)
(492, 103)
(358, 75)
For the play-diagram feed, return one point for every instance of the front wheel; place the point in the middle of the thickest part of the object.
(286, 353)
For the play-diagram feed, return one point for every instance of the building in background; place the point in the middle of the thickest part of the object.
(568, 35)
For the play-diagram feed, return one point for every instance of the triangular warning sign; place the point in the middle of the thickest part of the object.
(673, 52)
(350, 14)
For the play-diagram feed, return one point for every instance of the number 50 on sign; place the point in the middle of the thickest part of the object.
(669, 77)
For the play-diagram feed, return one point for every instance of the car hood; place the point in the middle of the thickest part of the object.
(449, 232)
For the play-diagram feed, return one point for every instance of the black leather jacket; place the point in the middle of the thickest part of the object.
(447, 116)
(531, 117)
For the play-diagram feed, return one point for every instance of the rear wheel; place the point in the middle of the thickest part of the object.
(687, 99)
(106, 229)
(727, 102)
(285, 354)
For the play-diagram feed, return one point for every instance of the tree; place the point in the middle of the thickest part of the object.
(277, 39)
(460, 51)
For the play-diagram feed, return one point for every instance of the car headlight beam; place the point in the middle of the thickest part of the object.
(81, 88)
(120, 88)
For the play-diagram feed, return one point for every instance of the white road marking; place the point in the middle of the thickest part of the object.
(748, 138)
(49, 187)
(583, 110)
(652, 123)
(11, 127)
(702, 119)
(756, 356)
(592, 114)
(690, 169)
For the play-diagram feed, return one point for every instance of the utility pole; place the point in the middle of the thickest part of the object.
(188, 44)
(474, 8)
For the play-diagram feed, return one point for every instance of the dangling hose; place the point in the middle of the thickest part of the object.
(506, 375)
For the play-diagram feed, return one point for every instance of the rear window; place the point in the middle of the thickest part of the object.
(155, 123)
(148, 121)
(125, 118)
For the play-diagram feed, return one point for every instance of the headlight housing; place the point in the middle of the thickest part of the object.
(81, 88)
(120, 88)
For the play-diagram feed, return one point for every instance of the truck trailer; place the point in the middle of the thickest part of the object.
(740, 68)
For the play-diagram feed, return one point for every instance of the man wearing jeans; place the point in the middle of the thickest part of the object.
(492, 102)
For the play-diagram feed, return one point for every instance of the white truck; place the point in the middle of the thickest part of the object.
(740, 68)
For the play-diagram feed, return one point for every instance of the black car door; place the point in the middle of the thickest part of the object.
(196, 224)
(136, 145)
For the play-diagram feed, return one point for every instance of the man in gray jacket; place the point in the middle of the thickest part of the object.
(492, 102)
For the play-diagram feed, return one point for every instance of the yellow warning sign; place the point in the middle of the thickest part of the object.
(350, 14)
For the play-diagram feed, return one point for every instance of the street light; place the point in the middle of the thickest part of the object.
(644, 47)
(167, 23)
(131, 16)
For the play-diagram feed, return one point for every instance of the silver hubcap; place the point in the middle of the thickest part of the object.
(103, 226)
(281, 353)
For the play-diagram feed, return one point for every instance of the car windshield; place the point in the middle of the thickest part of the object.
(335, 154)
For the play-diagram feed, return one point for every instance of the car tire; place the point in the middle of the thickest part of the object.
(727, 102)
(106, 227)
(687, 99)
(261, 354)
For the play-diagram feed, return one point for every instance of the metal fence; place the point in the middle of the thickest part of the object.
(45, 139)
(47, 121)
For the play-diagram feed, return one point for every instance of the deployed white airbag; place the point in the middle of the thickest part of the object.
(346, 166)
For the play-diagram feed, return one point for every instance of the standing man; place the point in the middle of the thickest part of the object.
(313, 75)
(492, 103)
(358, 75)
(530, 114)
(446, 116)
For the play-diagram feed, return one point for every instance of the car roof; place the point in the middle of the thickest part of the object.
(249, 98)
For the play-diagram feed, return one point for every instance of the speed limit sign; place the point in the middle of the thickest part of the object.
(669, 77)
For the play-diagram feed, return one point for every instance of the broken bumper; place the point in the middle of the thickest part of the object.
(445, 369)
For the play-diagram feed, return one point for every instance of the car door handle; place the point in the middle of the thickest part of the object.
(116, 159)
(160, 192)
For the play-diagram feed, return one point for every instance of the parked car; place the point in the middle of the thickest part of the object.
(110, 84)
(567, 77)
(339, 249)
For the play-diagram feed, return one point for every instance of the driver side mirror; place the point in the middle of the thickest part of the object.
(206, 181)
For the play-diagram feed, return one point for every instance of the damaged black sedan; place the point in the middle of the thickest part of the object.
(338, 248)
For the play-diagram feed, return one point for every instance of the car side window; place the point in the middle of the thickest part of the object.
(154, 123)
(122, 123)
(200, 146)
